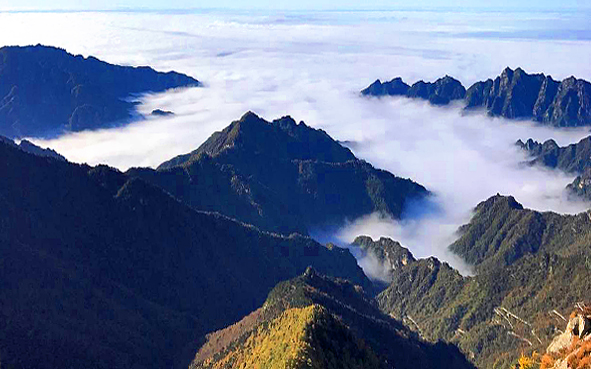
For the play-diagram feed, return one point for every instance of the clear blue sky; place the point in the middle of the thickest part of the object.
(287, 4)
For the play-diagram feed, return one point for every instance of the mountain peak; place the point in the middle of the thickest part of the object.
(499, 201)
(249, 116)
(281, 139)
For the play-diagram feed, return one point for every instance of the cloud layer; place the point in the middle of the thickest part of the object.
(311, 66)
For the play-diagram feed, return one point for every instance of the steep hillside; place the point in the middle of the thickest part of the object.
(282, 177)
(318, 322)
(102, 271)
(531, 269)
(45, 91)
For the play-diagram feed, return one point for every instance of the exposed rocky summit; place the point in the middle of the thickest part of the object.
(395, 87)
(391, 254)
(45, 91)
(281, 176)
(440, 92)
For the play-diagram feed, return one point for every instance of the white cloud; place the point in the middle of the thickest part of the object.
(311, 66)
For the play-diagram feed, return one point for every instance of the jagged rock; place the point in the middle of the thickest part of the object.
(516, 94)
(578, 326)
(440, 92)
(395, 87)
(564, 340)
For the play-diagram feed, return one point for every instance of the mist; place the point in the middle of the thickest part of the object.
(312, 65)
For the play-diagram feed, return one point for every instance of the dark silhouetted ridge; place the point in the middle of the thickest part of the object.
(45, 91)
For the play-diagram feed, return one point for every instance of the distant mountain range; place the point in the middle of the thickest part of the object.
(314, 321)
(101, 270)
(281, 176)
(45, 91)
(574, 159)
(531, 269)
(513, 95)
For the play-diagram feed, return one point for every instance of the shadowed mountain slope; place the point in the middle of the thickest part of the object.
(282, 177)
(102, 271)
(44, 91)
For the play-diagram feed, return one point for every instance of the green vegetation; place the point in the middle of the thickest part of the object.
(531, 270)
(318, 322)
(281, 177)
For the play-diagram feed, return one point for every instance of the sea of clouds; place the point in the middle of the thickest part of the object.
(312, 65)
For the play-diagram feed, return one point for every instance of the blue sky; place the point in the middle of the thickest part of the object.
(288, 4)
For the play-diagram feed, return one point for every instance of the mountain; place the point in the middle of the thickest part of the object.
(45, 91)
(516, 94)
(513, 95)
(314, 321)
(99, 270)
(28, 146)
(574, 158)
(440, 92)
(531, 269)
(282, 177)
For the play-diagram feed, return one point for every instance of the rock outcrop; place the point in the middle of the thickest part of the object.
(441, 92)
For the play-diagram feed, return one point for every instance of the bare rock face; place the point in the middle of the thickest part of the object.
(578, 326)
(565, 338)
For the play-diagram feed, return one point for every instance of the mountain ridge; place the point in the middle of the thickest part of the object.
(46, 91)
(282, 177)
(514, 94)
(362, 338)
